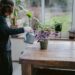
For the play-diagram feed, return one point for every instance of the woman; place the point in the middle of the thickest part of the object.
(6, 8)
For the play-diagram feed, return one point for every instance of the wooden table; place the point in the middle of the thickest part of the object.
(60, 54)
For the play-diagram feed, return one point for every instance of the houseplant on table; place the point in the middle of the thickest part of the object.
(42, 36)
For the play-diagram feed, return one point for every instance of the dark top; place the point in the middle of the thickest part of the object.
(5, 31)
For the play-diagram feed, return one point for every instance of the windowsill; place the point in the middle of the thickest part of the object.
(56, 39)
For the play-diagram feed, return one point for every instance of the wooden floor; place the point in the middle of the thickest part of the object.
(16, 69)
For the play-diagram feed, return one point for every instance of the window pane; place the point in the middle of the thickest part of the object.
(35, 7)
(59, 11)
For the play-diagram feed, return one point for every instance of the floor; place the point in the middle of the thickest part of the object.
(16, 69)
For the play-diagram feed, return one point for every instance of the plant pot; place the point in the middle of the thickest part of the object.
(43, 45)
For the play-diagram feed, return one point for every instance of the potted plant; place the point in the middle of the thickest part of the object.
(14, 17)
(13, 20)
(58, 28)
(15, 13)
(42, 36)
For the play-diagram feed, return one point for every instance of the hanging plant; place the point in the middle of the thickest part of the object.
(29, 14)
(18, 2)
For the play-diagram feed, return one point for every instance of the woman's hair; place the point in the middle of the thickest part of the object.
(6, 6)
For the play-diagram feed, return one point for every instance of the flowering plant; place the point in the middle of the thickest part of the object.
(43, 33)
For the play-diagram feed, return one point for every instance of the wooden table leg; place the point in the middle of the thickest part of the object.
(26, 69)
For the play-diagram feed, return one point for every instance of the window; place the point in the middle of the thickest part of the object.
(50, 12)
(59, 11)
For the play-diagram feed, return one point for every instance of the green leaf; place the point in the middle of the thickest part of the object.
(29, 14)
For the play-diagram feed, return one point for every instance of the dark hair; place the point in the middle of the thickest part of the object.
(7, 2)
(6, 6)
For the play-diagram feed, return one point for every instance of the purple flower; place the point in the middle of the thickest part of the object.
(42, 35)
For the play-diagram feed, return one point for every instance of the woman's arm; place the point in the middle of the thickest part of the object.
(12, 31)
(5, 30)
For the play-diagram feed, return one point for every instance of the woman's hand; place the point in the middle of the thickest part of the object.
(28, 29)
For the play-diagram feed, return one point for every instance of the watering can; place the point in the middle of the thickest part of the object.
(29, 38)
